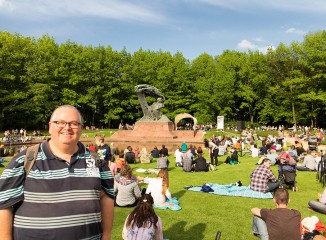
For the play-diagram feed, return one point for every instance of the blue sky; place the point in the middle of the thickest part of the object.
(191, 27)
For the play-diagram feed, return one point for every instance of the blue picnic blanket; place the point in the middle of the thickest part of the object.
(174, 205)
(232, 190)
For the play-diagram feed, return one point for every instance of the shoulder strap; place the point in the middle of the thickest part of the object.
(98, 162)
(30, 157)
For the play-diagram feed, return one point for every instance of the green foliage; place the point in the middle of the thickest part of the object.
(285, 86)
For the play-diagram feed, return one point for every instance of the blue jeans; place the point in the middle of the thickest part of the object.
(272, 186)
(259, 227)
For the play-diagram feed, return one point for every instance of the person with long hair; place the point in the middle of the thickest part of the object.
(159, 188)
(143, 223)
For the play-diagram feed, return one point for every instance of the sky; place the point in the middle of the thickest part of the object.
(191, 27)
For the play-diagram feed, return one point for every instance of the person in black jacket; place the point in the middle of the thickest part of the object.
(155, 152)
(164, 151)
(130, 155)
(200, 162)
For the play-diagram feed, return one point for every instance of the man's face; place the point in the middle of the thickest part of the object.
(267, 164)
(70, 133)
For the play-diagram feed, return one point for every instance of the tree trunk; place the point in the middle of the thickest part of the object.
(293, 114)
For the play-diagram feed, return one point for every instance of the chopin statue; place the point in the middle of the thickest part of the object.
(151, 112)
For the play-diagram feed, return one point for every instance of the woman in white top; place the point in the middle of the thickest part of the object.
(143, 223)
(159, 188)
(178, 157)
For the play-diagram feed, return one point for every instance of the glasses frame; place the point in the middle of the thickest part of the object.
(64, 124)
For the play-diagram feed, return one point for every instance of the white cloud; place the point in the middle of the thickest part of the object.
(259, 39)
(295, 31)
(247, 45)
(114, 9)
(4, 4)
(288, 5)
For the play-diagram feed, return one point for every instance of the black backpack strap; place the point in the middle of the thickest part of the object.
(98, 162)
(30, 157)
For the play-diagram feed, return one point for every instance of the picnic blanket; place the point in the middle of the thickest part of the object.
(148, 171)
(232, 190)
(174, 205)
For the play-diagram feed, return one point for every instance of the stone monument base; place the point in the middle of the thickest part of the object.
(151, 134)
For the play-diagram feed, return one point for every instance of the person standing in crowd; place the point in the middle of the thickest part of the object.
(263, 179)
(113, 149)
(213, 151)
(65, 196)
(143, 223)
(103, 150)
(279, 223)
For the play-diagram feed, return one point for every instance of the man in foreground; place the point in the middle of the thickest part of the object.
(279, 223)
(66, 195)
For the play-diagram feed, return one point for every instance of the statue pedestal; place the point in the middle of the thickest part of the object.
(150, 134)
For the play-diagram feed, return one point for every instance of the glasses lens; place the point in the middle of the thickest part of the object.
(61, 124)
(74, 124)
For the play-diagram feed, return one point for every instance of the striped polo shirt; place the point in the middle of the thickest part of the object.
(59, 200)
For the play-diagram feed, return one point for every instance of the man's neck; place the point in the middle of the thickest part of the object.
(281, 206)
(64, 152)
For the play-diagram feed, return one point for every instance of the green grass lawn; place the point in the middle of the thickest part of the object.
(203, 214)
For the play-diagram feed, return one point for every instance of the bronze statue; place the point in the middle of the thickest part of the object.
(151, 112)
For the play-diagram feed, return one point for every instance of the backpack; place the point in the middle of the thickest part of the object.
(186, 163)
(30, 157)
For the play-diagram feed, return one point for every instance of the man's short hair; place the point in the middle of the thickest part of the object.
(99, 138)
(67, 106)
(281, 196)
(265, 160)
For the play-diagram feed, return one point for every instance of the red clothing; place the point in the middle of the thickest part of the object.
(120, 162)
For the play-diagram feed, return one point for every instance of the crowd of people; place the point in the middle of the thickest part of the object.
(84, 184)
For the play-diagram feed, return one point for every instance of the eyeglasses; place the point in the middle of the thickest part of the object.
(62, 124)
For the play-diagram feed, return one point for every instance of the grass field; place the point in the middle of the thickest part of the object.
(203, 214)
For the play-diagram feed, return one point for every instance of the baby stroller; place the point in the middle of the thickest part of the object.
(287, 171)
(312, 143)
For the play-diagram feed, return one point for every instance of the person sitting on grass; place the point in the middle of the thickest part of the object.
(263, 179)
(162, 162)
(279, 223)
(120, 161)
(143, 223)
(159, 188)
(200, 162)
(126, 188)
(234, 159)
(309, 163)
(320, 205)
